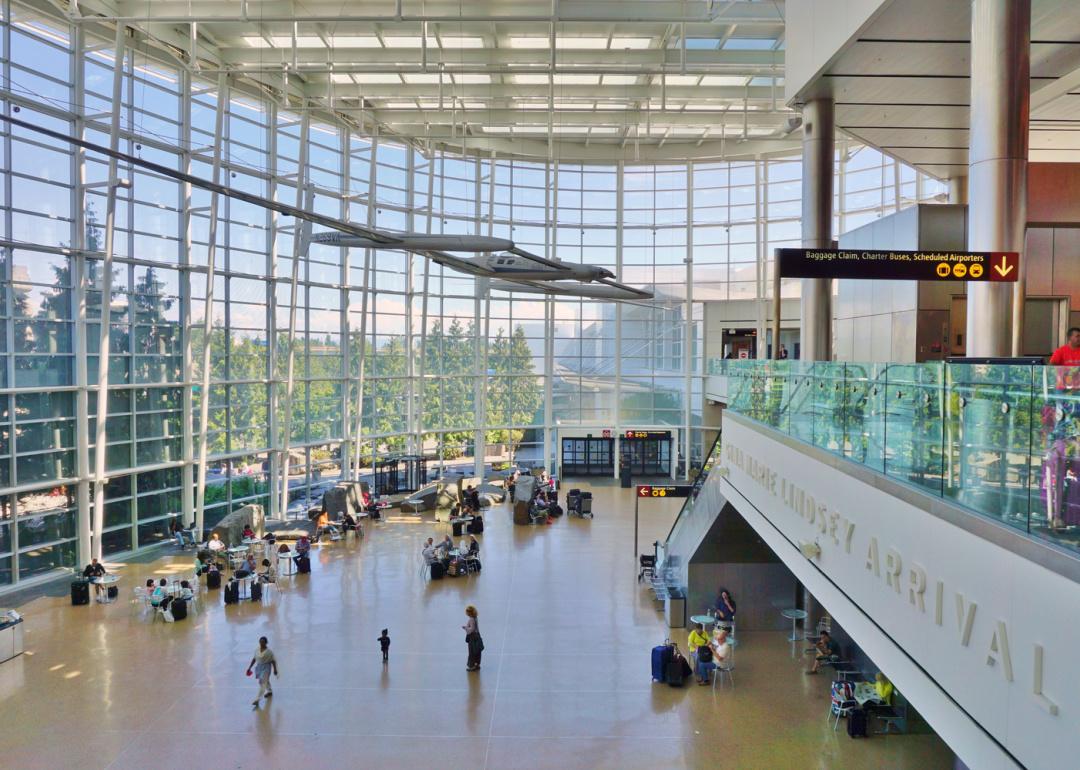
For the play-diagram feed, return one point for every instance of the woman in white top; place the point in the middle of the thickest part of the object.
(263, 660)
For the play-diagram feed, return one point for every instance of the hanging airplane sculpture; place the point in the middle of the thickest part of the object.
(520, 270)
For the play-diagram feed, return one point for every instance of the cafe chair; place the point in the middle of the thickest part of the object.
(841, 701)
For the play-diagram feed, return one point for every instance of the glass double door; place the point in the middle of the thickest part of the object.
(588, 457)
(648, 457)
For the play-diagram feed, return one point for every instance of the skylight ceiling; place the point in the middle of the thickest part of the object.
(659, 78)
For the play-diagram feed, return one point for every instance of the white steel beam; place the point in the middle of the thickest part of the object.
(208, 310)
(304, 199)
(100, 437)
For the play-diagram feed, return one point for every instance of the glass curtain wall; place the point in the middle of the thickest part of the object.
(391, 354)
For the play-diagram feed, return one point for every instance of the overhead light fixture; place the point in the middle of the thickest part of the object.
(341, 77)
(572, 79)
(420, 77)
(377, 77)
(401, 42)
(620, 80)
(723, 80)
(471, 78)
(677, 80)
(620, 43)
(456, 42)
(355, 41)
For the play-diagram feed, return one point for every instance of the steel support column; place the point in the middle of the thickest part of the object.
(365, 290)
(100, 437)
(304, 199)
(208, 311)
(817, 213)
(997, 166)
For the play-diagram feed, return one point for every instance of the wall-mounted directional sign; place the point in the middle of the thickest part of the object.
(634, 435)
(899, 265)
(651, 490)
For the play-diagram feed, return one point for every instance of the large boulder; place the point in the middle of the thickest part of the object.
(231, 528)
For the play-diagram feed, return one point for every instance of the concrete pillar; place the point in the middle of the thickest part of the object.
(997, 166)
(958, 190)
(817, 213)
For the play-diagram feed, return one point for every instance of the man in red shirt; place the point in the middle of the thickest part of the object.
(1056, 467)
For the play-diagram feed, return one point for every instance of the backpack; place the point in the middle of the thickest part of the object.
(704, 654)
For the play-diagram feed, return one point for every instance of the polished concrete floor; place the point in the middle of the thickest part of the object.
(564, 684)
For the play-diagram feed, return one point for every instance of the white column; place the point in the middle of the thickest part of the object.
(304, 198)
(817, 213)
(365, 288)
(208, 309)
(997, 166)
(100, 437)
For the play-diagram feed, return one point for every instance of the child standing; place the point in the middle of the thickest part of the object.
(384, 643)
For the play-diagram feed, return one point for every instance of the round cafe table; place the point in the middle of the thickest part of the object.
(795, 616)
(705, 620)
(107, 581)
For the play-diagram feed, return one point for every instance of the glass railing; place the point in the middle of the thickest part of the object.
(1002, 440)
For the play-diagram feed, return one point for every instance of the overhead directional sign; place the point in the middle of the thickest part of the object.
(650, 490)
(634, 435)
(899, 265)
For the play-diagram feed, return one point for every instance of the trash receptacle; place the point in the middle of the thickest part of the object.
(675, 609)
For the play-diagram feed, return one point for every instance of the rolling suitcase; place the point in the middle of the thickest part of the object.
(213, 579)
(674, 673)
(661, 656)
(232, 592)
(256, 592)
(178, 608)
(437, 570)
(456, 526)
(856, 723)
(303, 565)
(476, 526)
(112, 592)
(80, 592)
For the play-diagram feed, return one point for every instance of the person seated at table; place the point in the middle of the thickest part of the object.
(215, 543)
(200, 566)
(883, 689)
(474, 545)
(697, 638)
(447, 545)
(303, 548)
(93, 571)
(177, 530)
(725, 606)
(266, 574)
(348, 521)
(429, 552)
(248, 533)
(159, 593)
(712, 655)
(322, 524)
(827, 652)
(185, 591)
(249, 564)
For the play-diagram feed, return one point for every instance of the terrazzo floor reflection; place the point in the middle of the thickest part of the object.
(564, 684)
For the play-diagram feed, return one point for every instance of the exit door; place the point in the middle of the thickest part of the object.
(648, 457)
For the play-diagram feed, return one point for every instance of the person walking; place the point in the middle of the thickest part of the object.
(264, 662)
(473, 639)
(384, 643)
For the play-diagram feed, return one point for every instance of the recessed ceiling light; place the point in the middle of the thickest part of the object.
(377, 77)
(337, 77)
(677, 80)
(355, 41)
(571, 79)
(620, 80)
(723, 80)
(456, 42)
(471, 77)
(530, 79)
(401, 42)
(420, 77)
(619, 43)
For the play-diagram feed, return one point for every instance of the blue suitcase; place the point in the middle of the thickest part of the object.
(661, 656)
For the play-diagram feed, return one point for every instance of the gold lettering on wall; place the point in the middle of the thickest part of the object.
(964, 619)
(917, 587)
(893, 566)
(1044, 702)
(999, 651)
(873, 563)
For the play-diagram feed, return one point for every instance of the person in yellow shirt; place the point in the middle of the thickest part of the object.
(697, 638)
(883, 688)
